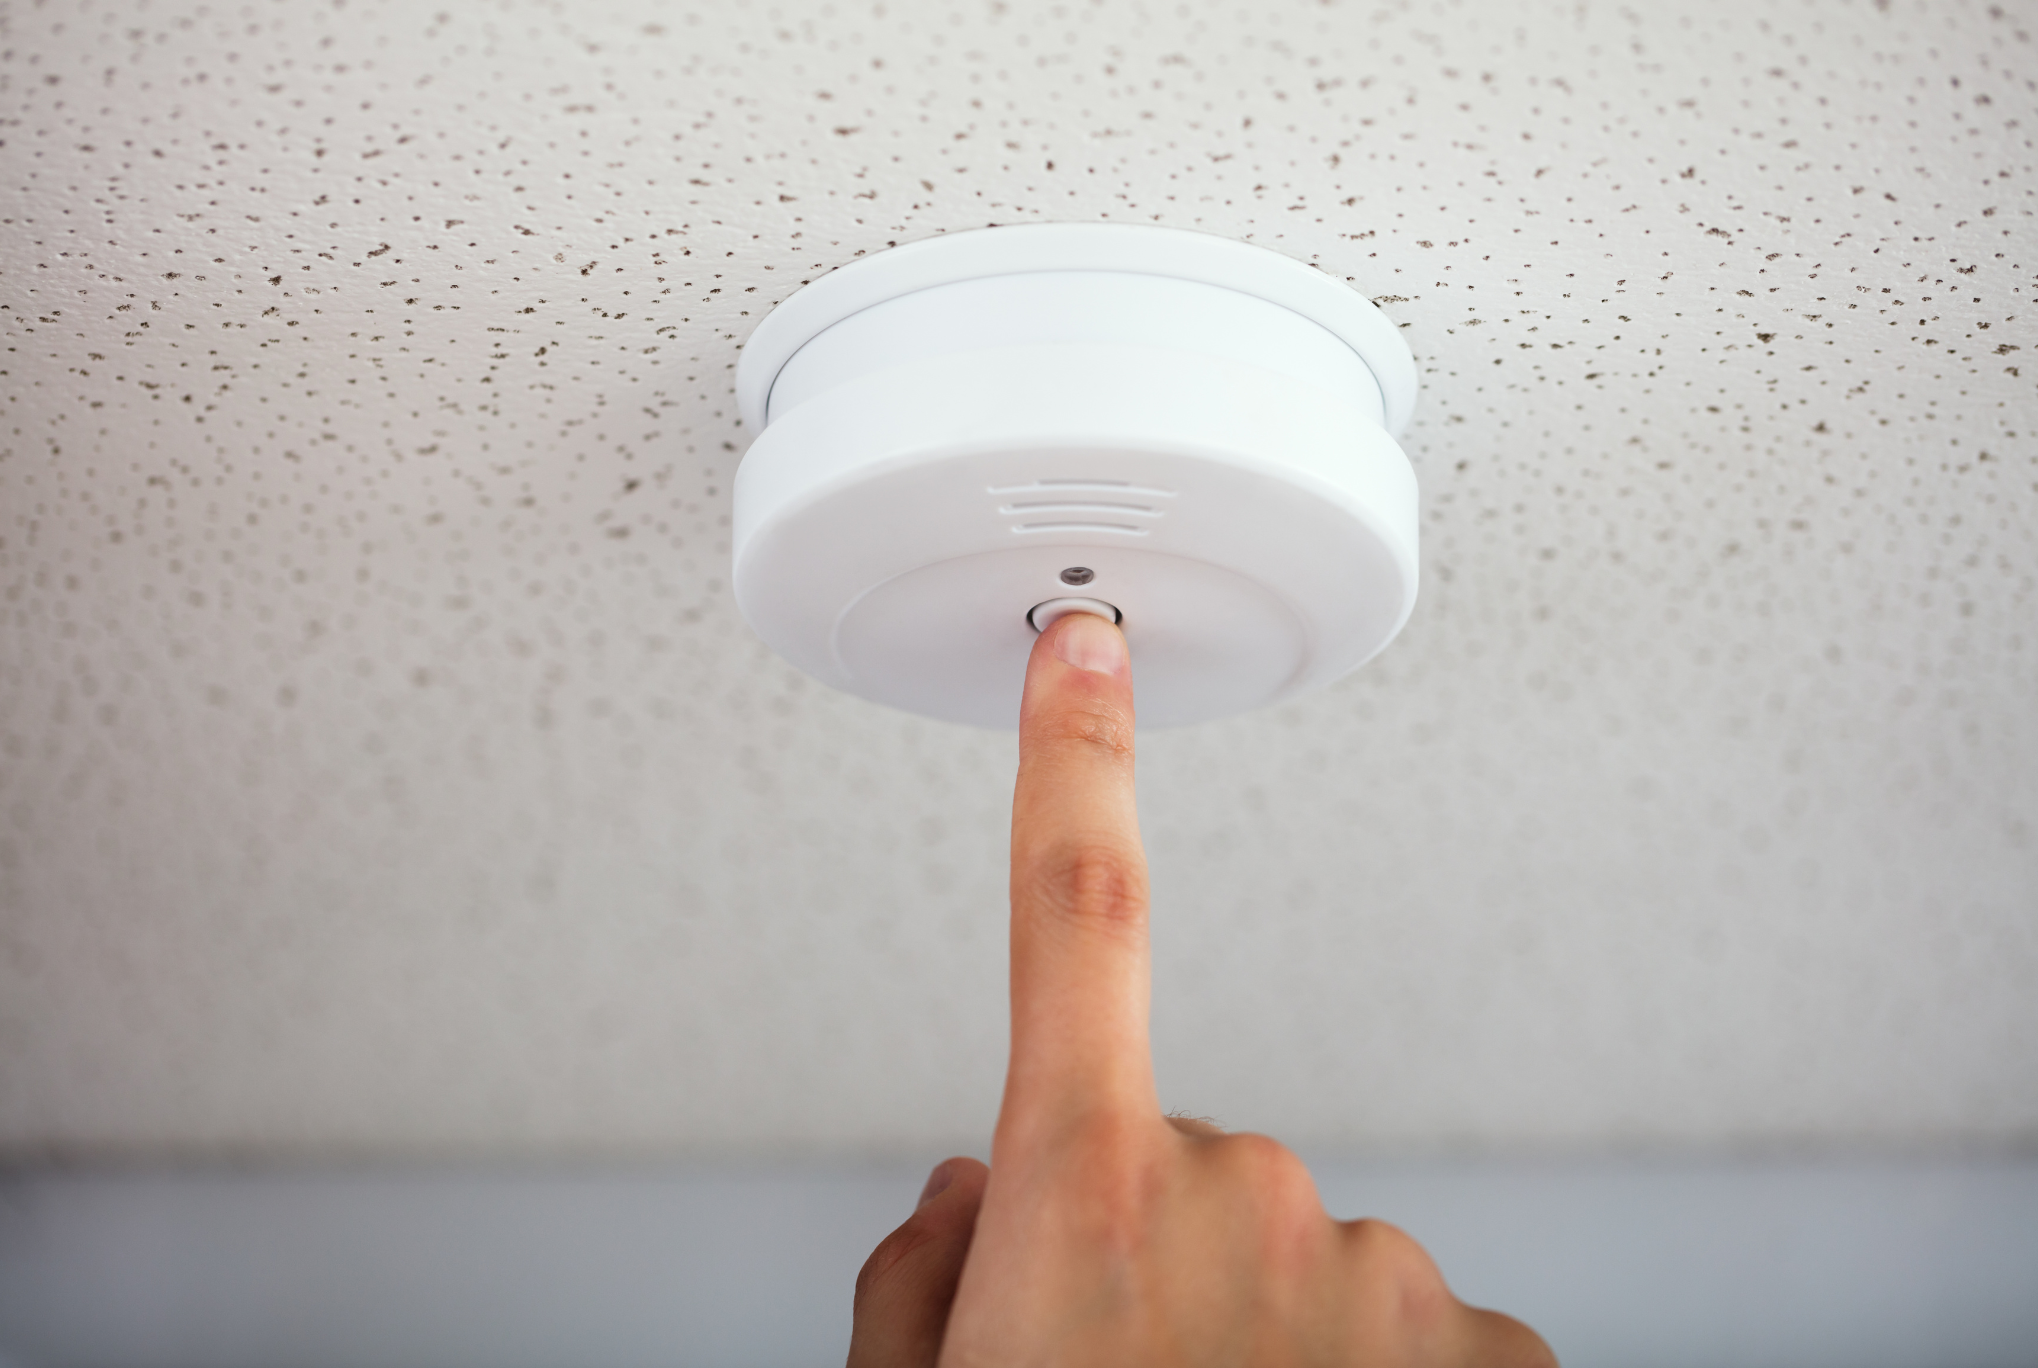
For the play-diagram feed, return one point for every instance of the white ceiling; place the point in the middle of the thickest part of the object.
(384, 766)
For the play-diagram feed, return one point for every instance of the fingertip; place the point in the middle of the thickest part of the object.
(905, 1287)
(1080, 670)
(1089, 643)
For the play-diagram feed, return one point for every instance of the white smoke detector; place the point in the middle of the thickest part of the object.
(963, 438)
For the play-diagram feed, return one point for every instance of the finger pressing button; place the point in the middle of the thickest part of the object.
(1044, 614)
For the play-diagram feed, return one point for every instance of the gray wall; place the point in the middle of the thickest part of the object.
(1760, 1265)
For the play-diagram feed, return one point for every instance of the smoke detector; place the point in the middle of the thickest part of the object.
(963, 438)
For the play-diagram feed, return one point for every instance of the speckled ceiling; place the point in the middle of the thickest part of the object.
(384, 766)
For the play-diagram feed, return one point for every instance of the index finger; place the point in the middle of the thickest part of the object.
(1080, 971)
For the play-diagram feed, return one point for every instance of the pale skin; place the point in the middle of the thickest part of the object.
(1104, 1232)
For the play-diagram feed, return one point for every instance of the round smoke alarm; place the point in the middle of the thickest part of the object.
(964, 438)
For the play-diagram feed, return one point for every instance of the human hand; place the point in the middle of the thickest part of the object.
(1104, 1232)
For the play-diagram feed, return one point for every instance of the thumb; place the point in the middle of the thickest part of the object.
(906, 1286)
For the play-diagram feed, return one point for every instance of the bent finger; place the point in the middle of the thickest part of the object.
(908, 1284)
(1401, 1296)
(1079, 892)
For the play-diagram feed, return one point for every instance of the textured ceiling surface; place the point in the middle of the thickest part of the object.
(384, 766)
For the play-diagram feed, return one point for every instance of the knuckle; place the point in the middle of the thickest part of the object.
(889, 1254)
(1288, 1213)
(872, 1273)
(1095, 881)
(1092, 725)
(1385, 1247)
(1270, 1156)
(1391, 1256)
(1269, 1166)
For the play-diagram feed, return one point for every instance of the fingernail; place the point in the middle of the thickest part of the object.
(937, 1182)
(1088, 642)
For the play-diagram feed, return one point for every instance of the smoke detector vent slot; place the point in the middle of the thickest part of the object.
(1043, 506)
(1122, 529)
(1114, 486)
